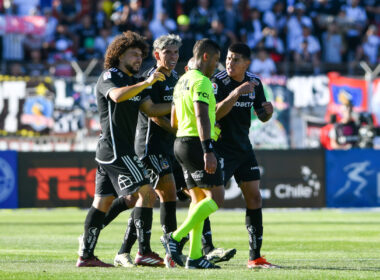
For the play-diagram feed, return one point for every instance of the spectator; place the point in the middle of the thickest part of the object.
(162, 25)
(261, 5)
(26, 7)
(252, 32)
(16, 69)
(276, 18)
(371, 43)
(201, 17)
(217, 34)
(263, 65)
(137, 17)
(232, 23)
(356, 19)
(274, 44)
(100, 15)
(333, 46)
(88, 51)
(307, 51)
(68, 12)
(294, 25)
(85, 32)
(188, 38)
(36, 66)
(13, 46)
(103, 40)
(51, 25)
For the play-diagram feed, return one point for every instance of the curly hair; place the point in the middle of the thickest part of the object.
(120, 44)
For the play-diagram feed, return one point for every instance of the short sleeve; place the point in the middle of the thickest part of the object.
(202, 91)
(259, 96)
(107, 82)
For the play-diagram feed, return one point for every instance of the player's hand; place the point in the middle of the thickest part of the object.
(156, 76)
(210, 162)
(268, 107)
(247, 87)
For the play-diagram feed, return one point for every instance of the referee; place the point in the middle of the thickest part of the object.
(193, 114)
(237, 92)
(120, 172)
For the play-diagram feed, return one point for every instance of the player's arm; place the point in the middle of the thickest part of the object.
(124, 93)
(154, 109)
(164, 123)
(204, 131)
(263, 108)
(173, 118)
(224, 107)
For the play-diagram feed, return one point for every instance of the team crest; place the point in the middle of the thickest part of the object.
(107, 75)
(124, 182)
(226, 81)
(164, 163)
(215, 88)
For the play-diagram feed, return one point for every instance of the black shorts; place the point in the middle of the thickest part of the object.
(158, 165)
(189, 154)
(243, 167)
(122, 177)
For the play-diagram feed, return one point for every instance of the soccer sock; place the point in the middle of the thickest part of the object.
(195, 248)
(143, 222)
(207, 237)
(130, 236)
(168, 216)
(92, 226)
(254, 223)
(118, 205)
(201, 211)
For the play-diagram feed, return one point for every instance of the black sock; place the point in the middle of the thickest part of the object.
(143, 221)
(254, 223)
(182, 244)
(207, 237)
(168, 216)
(118, 205)
(130, 236)
(92, 226)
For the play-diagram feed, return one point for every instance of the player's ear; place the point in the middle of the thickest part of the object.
(156, 55)
(205, 56)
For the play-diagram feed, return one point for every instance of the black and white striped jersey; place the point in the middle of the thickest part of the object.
(235, 125)
(118, 120)
(148, 132)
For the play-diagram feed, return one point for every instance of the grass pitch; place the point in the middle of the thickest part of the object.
(317, 244)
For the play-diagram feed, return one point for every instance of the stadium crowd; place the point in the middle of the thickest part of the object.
(310, 34)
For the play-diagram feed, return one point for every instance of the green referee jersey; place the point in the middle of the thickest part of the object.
(193, 86)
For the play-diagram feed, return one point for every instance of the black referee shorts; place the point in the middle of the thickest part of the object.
(189, 154)
(122, 177)
(243, 167)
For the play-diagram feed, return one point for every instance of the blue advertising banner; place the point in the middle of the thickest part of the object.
(353, 178)
(8, 180)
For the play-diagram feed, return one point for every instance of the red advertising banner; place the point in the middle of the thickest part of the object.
(23, 24)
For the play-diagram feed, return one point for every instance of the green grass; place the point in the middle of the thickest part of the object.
(318, 244)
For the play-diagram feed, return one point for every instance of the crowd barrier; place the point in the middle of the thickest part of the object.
(290, 178)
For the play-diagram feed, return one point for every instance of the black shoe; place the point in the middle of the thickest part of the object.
(201, 263)
(172, 248)
(220, 255)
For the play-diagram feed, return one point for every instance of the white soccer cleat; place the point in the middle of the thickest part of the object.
(123, 260)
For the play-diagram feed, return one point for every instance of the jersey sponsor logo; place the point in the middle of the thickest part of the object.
(107, 75)
(203, 94)
(120, 74)
(167, 88)
(168, 97)
(226, 81)
(243, 104)
(197, 175)
(124, 182)
(215, 88)
(135, 98)
(7, 180)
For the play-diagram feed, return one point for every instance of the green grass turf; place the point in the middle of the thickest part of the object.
(317, 244)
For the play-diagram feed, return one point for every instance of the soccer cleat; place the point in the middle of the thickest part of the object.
(183, 258)
(172, 248)
(169, 263)
(220, 255)
(149, 259)
(260, 263)
(201, 263)
(91, 262)
(123, 260)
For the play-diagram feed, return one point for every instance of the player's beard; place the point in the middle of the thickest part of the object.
(131, 69)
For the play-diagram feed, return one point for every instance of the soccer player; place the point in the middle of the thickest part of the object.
(193, 113)
(154, 143)
(237, 91)
(120, 172)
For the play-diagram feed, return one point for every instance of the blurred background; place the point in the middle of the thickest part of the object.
(318, 60)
